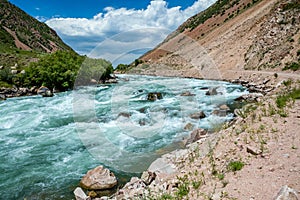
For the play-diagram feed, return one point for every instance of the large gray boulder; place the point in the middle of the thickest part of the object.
(99, 178)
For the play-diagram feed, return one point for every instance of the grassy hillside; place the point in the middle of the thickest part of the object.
(29, 31)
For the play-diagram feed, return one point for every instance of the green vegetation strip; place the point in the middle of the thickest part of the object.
(282, 100)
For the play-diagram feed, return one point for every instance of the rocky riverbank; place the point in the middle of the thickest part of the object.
(243, 151)
(17, 92)
(6, 93)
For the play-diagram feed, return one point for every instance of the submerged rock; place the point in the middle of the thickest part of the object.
(124, 114)
(99, 178)
(153, 96)
(222, 111)
(187, 93)
(198, 115)
(188, 127)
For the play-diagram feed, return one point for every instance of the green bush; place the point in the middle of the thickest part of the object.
(282, 100)
(294, 66)
(121, 67)
(235, 166)
(59, 70)
(6, 75)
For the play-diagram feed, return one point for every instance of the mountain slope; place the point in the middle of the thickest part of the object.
(231, 38)
(32, 55)
(26, 32)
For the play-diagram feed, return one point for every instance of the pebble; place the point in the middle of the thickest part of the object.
(286, 155)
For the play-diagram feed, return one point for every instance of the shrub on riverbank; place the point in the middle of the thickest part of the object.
(59, 70)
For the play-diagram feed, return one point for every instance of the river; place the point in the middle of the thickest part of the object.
(48, 144)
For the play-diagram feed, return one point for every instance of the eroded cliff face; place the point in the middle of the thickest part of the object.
(237, 40)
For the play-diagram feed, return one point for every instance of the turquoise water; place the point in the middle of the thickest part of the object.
(48, 144)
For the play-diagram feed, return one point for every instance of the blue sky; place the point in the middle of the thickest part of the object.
(117, 30)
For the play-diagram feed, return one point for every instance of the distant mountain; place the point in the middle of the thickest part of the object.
(230, 36)
(18, 30)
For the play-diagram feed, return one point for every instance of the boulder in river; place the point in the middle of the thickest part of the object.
(124, 114)
(212, 91)
(45, 92)
(198, 115)
(153, 96)
(224, 107)
(99, 178)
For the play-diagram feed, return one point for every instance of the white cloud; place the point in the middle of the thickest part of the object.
(41, 18)
(84, 34)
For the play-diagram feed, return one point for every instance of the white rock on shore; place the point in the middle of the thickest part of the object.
(99, 178)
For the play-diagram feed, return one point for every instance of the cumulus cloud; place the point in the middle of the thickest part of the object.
(126, 29)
